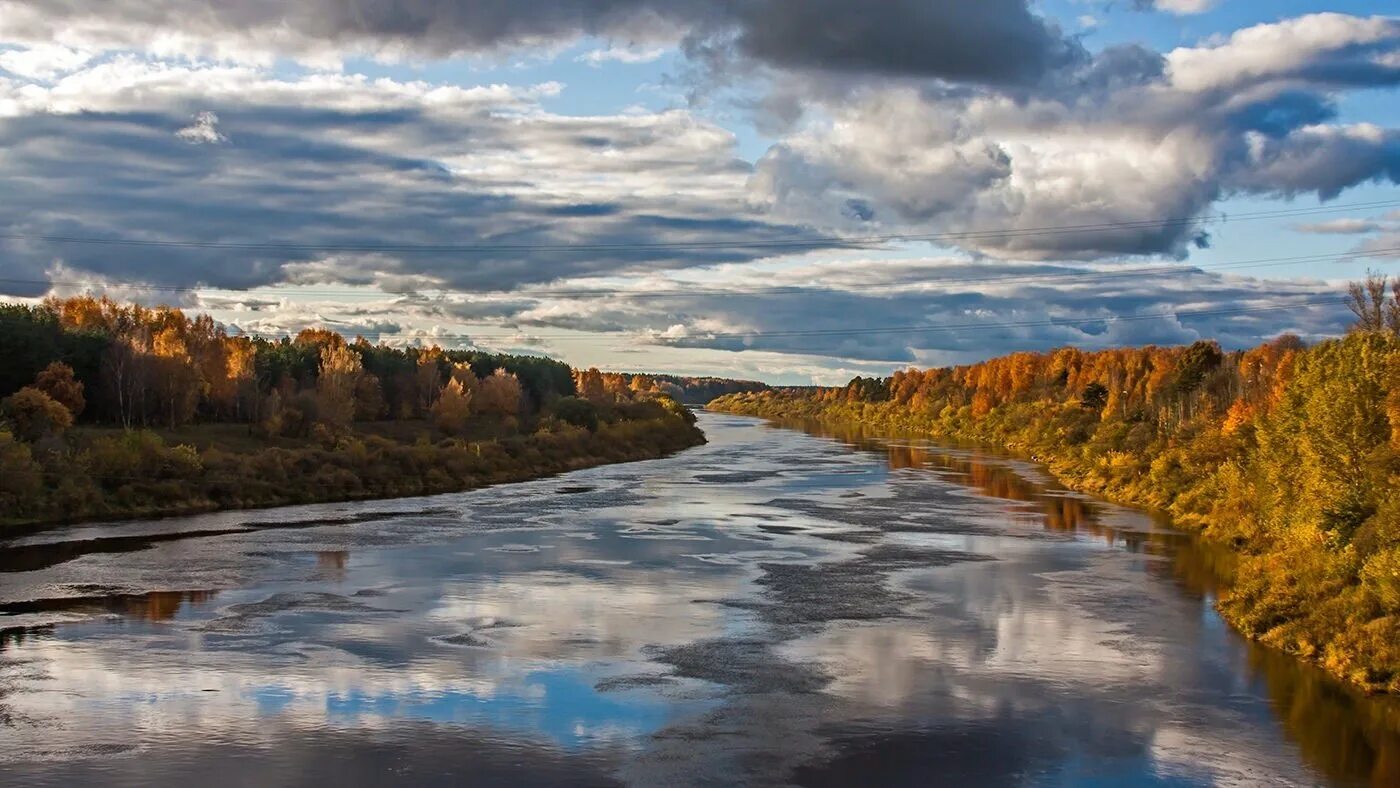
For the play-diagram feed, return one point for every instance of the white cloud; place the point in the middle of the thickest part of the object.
(616, 54)
(1131, 137)
(1348, 226)
(1184, 7)
(43, 61)
(1317, 48)
(203, 131)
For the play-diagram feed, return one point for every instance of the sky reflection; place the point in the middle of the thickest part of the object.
(774, 606)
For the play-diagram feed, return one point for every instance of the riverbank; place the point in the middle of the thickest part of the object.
(139, 474)
(1308, 546)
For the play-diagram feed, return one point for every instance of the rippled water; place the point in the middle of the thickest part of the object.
(775, 607)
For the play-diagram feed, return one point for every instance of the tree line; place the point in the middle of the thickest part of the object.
(1287, 453)
(179, 415)
(143, 366)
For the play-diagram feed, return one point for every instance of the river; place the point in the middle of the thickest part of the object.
(779, 606)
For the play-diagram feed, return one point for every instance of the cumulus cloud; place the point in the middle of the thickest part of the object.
(203, 131)
(1130, 136)
(43, 61)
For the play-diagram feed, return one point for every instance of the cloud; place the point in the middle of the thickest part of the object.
(992, 41)
(43, 61)
(1326, 49)
(1348, 226)
(1127, 137)
(946, 310)
(1382, 241)
(1184, 7)
(346, 161)
(203, 131)
(616, 54)
(981, 123)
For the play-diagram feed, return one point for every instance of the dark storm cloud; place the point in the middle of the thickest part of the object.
(990, 41)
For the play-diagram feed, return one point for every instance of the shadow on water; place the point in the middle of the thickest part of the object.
(1345, 735)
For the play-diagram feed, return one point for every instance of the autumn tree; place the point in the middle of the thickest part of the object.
(340, 374)
(453, 408)
(57, 381)
(428, 377)
(21, 479)
(34, 415)
(236, 393)
(499, 394)
(464, 377)
(589, 383)
(176, 380)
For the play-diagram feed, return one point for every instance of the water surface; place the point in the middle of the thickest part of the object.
(777, 607)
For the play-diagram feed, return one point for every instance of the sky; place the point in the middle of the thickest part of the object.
(797, 191)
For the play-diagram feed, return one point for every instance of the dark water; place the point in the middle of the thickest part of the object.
(773, 608)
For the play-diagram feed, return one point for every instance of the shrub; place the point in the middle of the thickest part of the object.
(35, 415)
(57, 381)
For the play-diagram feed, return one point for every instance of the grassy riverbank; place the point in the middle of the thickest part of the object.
(1288, 455)
(111, 473)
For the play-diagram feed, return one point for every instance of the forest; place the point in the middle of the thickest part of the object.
(1286, 453)
(118, 410)
(692, 390)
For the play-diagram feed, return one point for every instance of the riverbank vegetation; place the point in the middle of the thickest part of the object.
(116, 410)
(1288, 454)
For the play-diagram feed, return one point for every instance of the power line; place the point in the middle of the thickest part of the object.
(831, 241)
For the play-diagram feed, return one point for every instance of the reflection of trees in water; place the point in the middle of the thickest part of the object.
(332, 563)
(15, 638)
(151, 606)
(1346, 736)
(164, 605)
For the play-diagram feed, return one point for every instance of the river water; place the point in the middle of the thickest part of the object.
(777, 607)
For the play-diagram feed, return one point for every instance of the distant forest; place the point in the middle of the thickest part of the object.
(1286, 453)
(110, 409)
(692, 390)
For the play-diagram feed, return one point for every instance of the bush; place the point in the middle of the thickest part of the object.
(57, 381)
(35, 415)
